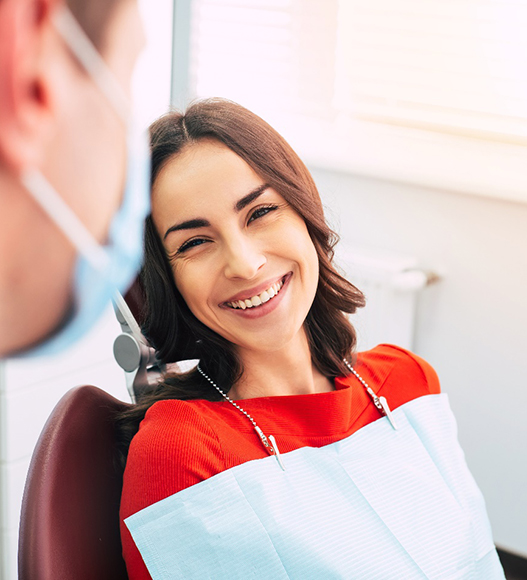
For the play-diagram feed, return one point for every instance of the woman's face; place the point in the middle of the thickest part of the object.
(242, 258)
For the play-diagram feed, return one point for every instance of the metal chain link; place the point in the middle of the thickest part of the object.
(264, 439)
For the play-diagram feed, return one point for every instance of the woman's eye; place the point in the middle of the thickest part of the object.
(261, 211)
(190, 244)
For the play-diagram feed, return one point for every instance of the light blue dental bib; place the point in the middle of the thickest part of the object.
(381, 504)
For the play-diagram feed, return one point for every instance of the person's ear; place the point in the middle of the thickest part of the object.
(26, 107)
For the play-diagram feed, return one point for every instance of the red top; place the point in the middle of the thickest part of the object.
(180, 443)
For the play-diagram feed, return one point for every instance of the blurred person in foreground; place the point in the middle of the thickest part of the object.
(73, 168)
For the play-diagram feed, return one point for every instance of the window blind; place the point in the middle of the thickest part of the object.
(269, 55)
(338, 77)
(457, 66)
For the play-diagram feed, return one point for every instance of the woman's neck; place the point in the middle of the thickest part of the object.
(288, 371)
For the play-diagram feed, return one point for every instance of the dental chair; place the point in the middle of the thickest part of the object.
(69, 527)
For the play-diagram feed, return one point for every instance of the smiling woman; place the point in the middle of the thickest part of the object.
(237, 243)
(234, 206)
(238, 273)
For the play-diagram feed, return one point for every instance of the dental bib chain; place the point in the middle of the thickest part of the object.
(272, 449)
(270, 442)
(380, 402)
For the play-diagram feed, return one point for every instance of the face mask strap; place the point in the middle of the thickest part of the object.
(36, 184)
(64, 217)
(88, 56)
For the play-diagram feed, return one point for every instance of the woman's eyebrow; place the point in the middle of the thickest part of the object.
(203, 223)
(188, 225)
(250, 197)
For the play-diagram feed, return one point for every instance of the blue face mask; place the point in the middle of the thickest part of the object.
(100, 271)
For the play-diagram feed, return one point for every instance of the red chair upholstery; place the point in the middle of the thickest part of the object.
(69, 527)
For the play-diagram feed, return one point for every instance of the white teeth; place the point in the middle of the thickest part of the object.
(261, 298)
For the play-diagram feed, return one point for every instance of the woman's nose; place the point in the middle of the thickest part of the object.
(243, 258)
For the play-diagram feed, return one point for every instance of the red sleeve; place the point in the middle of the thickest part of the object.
(173, 449)
(430, 376)
(410, 377)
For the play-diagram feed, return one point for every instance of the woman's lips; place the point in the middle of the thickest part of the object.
(258, 299)
(267, 303)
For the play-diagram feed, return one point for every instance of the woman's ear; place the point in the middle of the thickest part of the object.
(28, 50)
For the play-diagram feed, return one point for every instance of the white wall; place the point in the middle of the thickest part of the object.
(472, 326)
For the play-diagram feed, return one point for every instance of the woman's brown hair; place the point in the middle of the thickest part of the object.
(170, 326)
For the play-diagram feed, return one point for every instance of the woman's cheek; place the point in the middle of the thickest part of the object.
(192, 283)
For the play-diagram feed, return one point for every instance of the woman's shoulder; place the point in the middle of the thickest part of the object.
(173, 425)
(176, 412)
(397, 373)
(174, 448)
(404, 363)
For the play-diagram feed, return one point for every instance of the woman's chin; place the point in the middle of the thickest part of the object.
(278, 341)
